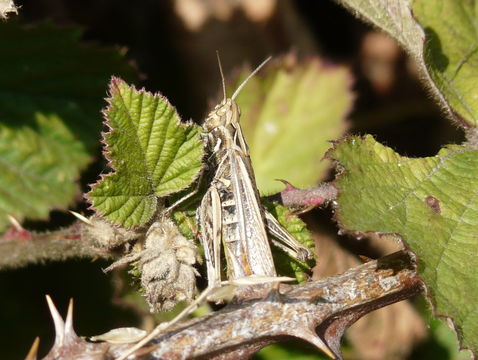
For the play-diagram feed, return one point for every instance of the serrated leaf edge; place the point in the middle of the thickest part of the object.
(116, 81)
(360, 234)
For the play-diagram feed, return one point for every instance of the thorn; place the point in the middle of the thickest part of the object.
(32, 354)
(300, 212)
(322, 346)
(313, 338)
(69, 330)
(81, 217)
(16, 231)
(288, 185)
(15, 223)
(57, 321)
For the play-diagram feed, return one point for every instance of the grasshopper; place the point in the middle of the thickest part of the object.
(231, 213)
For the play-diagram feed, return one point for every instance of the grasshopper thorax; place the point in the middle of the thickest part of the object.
(225, 113)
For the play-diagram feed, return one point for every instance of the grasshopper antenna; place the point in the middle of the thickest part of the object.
(222, 76)
(249, 77)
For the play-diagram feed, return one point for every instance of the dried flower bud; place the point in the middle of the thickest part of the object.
(167, 272)
(166, 266)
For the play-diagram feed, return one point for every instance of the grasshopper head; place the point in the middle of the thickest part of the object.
(225, 113)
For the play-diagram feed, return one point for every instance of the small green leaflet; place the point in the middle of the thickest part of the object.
(152, 154)
(186, 223)
(432, 203)
(285, 264)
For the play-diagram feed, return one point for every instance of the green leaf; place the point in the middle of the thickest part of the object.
(51, 87)
(38, 168)
(285, 264)
(396, 20)
(289, 115)
(432, 203)
(186, 222)
(451, 51)
(152, 153)
(442, 42)
(441, 340)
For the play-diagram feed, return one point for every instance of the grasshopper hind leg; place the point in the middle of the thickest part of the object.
(284, 241)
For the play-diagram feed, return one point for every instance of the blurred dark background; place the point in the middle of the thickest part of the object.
(172, 44)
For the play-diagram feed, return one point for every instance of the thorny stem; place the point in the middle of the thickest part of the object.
(317, 312)
(20, 247)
